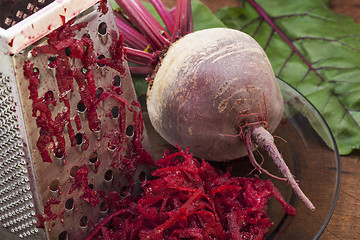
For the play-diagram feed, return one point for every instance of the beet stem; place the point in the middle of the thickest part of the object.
(145, 23)
(183, 19)
(265, 140)
(167, 18)
(132, 37)
(140, 57)
(141, 70)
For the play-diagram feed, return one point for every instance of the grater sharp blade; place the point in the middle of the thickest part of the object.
(14, 11)
(59, 160)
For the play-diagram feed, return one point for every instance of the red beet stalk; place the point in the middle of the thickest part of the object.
(145, 37)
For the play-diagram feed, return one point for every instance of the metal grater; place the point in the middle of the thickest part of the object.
(30, 184)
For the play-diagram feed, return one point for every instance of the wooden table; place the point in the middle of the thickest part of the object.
(345, 222)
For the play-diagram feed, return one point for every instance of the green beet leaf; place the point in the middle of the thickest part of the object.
(314, 50)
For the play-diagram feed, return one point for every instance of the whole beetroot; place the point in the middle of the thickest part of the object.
(210, 86)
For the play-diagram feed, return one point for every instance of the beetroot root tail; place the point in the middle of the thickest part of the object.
(261, 137)
(257, 166)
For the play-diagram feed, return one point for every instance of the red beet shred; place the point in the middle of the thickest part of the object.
(189, 199)
(62, 45)
(81, 181)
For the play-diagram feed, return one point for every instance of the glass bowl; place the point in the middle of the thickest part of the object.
(309, 149)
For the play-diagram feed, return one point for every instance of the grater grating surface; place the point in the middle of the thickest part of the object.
(17, 212)
(60, 152)
(14, 11)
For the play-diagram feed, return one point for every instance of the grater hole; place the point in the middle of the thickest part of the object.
(102, 29)
(86, 35)
(67, 51)
(19, 14)
(81, 107)
(54, 185)
(79, 138)
(91, 186)
(36, 72)
(8, 22)
(84, 70)
(116, 82)
(115, 112)
(111, 146)
(123, 191)
(49, 96)
(142, 177)
(108, 176)
(102, 33)
(52, 62)
(59, 154)
(104, 207)
(129, 131)
(30, 7)
(99, 58)
(52, 59)
(93, 157)
(69, 204)
(73, 171)
(83, 222)
(99, 91)
(64, 236)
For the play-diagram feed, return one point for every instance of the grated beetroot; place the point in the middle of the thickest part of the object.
(81, 182)
(63, 45)
(189, 199)
(49, 215)
(103, 8)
